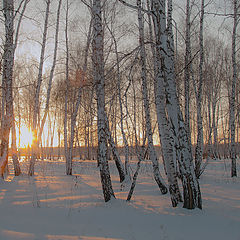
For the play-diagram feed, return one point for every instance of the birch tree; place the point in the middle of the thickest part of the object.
(164, 129)
(232, 100)
(17, 169)
(125, 175)
(98, 74)
(66, 149)
(37, 93)
(152, 152)
(7, 81)
(165, 64)
(198, 93)
(46, 110)
(187, 67)
(80, 78)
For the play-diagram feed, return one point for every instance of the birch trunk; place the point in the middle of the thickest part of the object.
(165, 63)
(68, 165)
(123, 175)
(152, 152)
(141, 151)
(126, 147)
(98, 71)
(69, 146)
(17, 170)
(232, 100)
(199, 146)
(115, 153)
(37, 94)
(187, 68)
(7, 76)
(165, 135)
(46, 110)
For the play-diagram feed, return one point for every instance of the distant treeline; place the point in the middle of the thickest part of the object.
(221, 150)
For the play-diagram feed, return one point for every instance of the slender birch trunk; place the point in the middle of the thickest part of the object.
(199, 146)
(98, 71)
(68, 165)
(152, 152)
(115, 153)
(123, 175)
(17, 169)
(210, 147)
(46, 110)
(232, 99)
(37, 94)
(187, 68)
(7, 79)
(140, 151)
(214, 125)
(68, 146)
(126, 147)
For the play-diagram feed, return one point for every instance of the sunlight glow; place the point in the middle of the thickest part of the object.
(26, 137)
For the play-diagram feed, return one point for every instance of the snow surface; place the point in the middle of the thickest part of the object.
(53, 206)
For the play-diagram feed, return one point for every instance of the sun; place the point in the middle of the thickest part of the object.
(26, 137)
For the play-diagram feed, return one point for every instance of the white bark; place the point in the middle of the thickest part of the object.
(126, 147)
(116, 156)
(199, 146)
(66, 93)
(46, 110)
(187, 67)
(152, 152)
(98, 71)
(141, 152)
(165, 63)
(69, 146)
(232, 100)
(17, 170)
(164, 129)
(7, 78)
(115, 153)
(67, 150)
(37, 93)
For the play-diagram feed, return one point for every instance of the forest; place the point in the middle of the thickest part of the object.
(134, 102)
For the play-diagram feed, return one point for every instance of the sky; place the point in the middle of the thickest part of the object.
(32, 27)
(31, 30)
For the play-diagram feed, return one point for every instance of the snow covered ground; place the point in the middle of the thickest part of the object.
(53, 206)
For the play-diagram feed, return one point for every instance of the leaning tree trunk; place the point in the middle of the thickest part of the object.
(46, 110)
(98, 72)
(125, 142)
(115, 153)
(152, 151)
(7, 76)
(165, 63)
